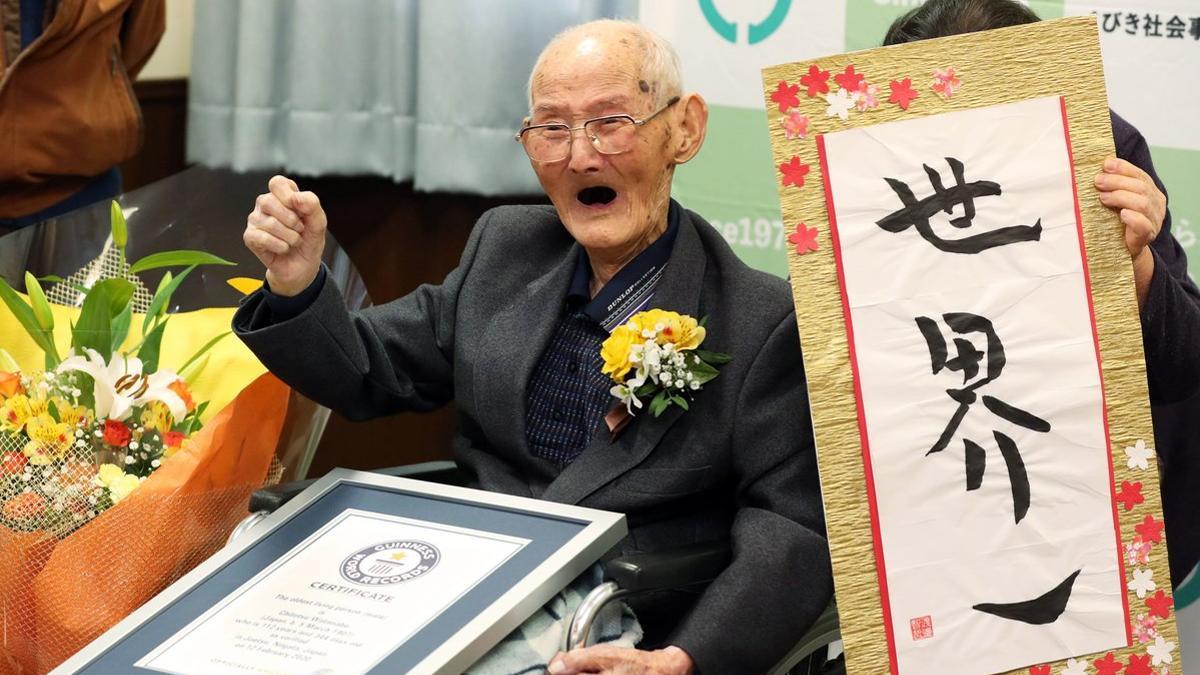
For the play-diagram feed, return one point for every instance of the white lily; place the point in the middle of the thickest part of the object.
(626, 396)
(120, 384)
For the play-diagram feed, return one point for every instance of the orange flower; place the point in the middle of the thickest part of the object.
(24, 506)
(170, 450)
(10, 385)
(181, 390)
(11, 463)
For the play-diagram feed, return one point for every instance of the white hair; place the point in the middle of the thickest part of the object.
(660, 64)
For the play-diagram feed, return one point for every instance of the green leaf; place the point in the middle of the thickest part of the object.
(7, 363)
(680, 401)
(87, 388)
(702, 372)
(55, 279)
(645, 390)
(659, 404)
(39, 303)
(714, 358)
(106, 300)
(162, 296)
(150, 316)
(120, 232)
(148, 351)
(207, 346)
(176, 259)
(193, 370)
(120, 326)
(193, 423)
(703, 320)
(24, 314)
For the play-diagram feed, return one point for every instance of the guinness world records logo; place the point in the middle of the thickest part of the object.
(390, 562)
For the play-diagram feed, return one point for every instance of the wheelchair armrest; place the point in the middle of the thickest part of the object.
(676, 568)
(644, 572)
(269, 499)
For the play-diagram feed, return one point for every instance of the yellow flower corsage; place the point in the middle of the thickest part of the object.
(655, 354)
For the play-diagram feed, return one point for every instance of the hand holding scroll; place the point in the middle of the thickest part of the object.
(1142, 207)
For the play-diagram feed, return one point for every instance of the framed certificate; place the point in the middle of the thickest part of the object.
(361, 573)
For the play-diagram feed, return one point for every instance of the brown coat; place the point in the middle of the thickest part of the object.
(67, 108)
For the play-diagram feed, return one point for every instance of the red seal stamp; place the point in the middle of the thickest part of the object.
(922, 627)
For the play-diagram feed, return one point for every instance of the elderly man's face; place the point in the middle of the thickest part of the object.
(611, 204)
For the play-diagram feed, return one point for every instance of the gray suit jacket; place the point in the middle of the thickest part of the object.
(739, 465)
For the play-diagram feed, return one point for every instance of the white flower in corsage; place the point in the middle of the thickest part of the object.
(655, 354)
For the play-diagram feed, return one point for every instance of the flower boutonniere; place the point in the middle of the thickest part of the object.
(656, 354)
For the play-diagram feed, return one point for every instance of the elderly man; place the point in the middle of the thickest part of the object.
(513, 336)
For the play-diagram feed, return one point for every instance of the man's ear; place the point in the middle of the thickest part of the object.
(691, 127)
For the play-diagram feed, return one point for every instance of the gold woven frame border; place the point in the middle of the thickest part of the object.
(1050, 58)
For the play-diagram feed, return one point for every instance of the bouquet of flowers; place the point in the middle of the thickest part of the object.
(81, 435)
(115, 478)
(656, 355)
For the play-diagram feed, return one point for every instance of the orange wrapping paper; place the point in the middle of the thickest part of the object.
(57, 596)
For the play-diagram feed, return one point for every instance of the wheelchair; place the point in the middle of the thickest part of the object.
(624, 576)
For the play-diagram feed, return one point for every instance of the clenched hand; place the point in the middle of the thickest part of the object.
(286, 231)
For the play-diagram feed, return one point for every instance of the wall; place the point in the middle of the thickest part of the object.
(173, 58)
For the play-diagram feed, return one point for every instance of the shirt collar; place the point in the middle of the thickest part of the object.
(630, 290)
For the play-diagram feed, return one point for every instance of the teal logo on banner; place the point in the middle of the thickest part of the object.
(755, 32)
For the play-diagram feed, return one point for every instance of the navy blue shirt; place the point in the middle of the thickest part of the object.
(568, 396)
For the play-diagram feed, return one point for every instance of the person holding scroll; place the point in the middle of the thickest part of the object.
(1168, 299)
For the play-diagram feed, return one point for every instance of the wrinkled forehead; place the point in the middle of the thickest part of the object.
(580, 71)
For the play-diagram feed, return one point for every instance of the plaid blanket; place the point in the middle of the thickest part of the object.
(529, 648)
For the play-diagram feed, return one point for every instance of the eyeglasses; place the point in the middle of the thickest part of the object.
(610, 135)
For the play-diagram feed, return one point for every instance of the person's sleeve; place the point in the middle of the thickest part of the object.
(396, 356)
(284, 307)
(780, 579)
(144, 23)
(1171, 312)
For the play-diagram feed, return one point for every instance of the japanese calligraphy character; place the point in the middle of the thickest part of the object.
(917, 212)
(1131, 23)
(1111, 21)
(967, 361)
(1152, 22)
(1046, 608)
(1175, 27)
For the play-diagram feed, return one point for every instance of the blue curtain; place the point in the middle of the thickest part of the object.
(425, 91)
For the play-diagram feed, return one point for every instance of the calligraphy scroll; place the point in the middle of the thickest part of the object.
(973, 354)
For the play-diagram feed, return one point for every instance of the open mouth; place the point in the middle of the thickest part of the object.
(598, 195)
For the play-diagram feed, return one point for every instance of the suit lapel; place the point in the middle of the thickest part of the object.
(603, 460)
(514, 341)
